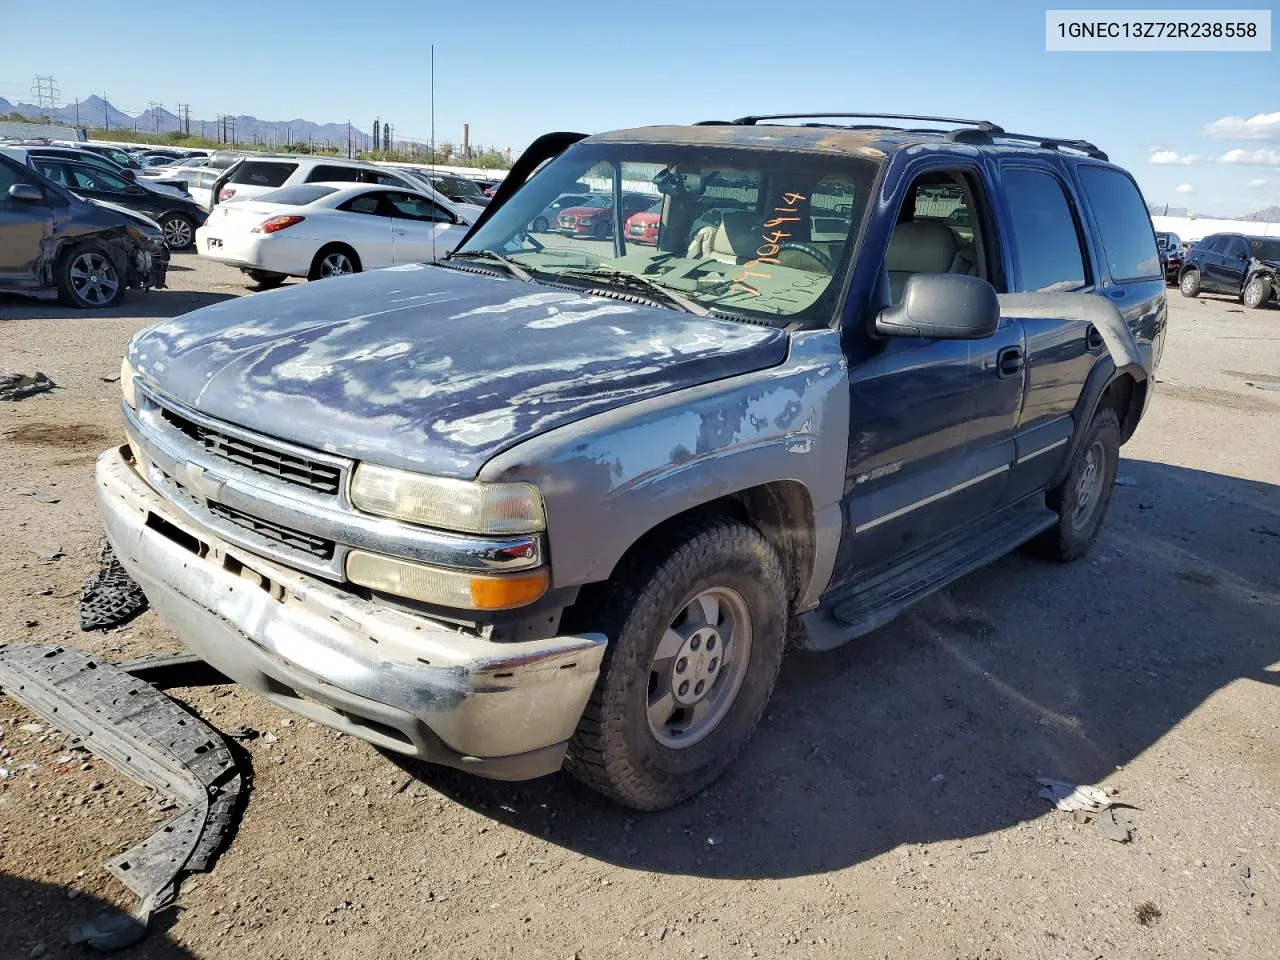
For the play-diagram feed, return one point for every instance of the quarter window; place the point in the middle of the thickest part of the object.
(333, 174)
(262, 173)
(1044, 232)
(1124, 223)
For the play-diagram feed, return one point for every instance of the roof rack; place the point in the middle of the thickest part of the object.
(1049, 143)
(985, 125)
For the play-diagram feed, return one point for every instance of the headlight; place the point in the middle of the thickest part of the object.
(447, 588)
(127, 387)
(495, 508)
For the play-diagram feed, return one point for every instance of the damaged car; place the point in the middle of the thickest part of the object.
(1242, 266)
(86, 253)
(566, 501)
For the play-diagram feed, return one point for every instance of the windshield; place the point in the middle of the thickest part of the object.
(456, 186)
(1264, 248)
(741, 232)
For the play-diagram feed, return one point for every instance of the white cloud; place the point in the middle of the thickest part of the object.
(1254, 158)
(1264, 126)
(1166, 158)
(1186, 188)
(1259, 183)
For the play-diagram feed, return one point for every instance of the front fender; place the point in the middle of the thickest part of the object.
(609, 479)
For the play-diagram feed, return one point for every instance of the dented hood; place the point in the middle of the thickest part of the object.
(431, 368)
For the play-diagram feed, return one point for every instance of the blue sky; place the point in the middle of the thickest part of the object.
(514, 70)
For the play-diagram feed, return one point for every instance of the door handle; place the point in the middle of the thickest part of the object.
(400, 233)
(1094, 338)
(1009, 362)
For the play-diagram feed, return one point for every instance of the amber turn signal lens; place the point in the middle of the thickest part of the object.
(503, 593)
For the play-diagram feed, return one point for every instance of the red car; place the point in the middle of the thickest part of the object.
(643, 227)
(594, 216)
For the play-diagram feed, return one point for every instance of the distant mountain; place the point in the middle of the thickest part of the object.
(1267, 215)
(96, 112)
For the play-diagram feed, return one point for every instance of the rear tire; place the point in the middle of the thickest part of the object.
(88, 278)
(265, 279)
(540, 225)
(676, 615)
(1256, 293)
(1082, 499)
(335, 260)
(1189, 283)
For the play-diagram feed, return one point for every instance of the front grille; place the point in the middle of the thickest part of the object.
(294, 539)
(300, 471)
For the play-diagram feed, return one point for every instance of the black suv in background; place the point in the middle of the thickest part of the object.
(54, 243)
(1243, 266)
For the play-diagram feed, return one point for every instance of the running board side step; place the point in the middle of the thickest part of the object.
(873, 603)
(144, 734)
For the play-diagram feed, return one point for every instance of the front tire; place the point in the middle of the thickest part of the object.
(179, 232)
(1082, 499)
(1189, 284)
(1256, 293)
(540, 225)
(88, 278)
(696, 626)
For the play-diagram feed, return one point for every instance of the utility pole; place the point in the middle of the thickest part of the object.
(377, 131)
(106, 113)
(152, 105)
(348, 139)
(77, 112)
(184, 117)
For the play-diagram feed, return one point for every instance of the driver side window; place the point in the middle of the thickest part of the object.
(938, 231)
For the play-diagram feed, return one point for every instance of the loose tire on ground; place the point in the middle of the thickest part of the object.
(1189, 283)
(1082, 499)
(616, 749)
(88, 278)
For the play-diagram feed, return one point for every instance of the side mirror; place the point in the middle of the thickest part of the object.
(129, 175)
(25, 193)
(943, 306)
(136, 190)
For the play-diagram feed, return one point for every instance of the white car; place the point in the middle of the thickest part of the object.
(254, 176)
(318, 230)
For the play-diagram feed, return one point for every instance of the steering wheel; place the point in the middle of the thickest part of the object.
(823, 260)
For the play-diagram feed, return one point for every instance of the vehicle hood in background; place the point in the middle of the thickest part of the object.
(431, 368)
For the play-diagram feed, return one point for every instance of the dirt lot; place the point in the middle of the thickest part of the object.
(886, 808)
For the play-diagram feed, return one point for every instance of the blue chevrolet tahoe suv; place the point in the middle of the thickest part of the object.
(564, 500)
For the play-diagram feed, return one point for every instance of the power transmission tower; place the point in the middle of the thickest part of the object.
(153, 106)
(184, 117)
(45, 92)
(377, 132)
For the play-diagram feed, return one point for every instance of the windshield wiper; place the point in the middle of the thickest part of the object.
(623, 279)
(516, 269)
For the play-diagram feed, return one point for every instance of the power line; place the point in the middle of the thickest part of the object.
(45, 92)
(154, 106)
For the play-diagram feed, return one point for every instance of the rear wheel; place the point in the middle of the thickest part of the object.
(179, 231)
(696, 627)
(1190, 283)
(1256, 293)
(336, 260)
(1081, 500)
(540, 225)
(88, 278)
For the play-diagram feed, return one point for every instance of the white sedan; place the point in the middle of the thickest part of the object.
(318, 230)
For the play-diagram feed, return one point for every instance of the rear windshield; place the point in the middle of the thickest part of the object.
(263, 173)
(298, 196)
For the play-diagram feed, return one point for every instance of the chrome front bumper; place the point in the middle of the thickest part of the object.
(400, 681)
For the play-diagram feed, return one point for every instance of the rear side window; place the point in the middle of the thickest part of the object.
(262, 173)
(1236, 248)
(299, 195)
(333, 173)
(1127, 238)
(1044, 232)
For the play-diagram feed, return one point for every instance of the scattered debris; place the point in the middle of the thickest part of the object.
(242, 733)
(19, 386)
(1116, 826)
(31, 728)
(1147, 913)
(110, 596)
(359, 790)
(937, 778)
(1126, 482)
(270, 737)
(151, 739)
(39, 495)
(1243, 873)
(110, 379)
(1071, 797)
(48, 554)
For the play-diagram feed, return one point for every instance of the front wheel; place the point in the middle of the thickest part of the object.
(1081, 500)
(696, 628)
(1256, 293)
(1190, 283)
(87, 277)
(540, 225)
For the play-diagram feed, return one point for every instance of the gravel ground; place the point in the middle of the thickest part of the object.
(886, 808)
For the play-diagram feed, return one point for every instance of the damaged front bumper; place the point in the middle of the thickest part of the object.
(148, 266)
(403, 682)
